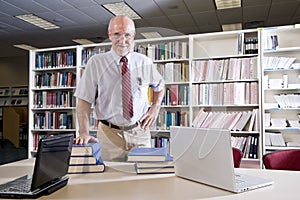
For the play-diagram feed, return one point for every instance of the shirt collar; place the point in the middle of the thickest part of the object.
(117, 58)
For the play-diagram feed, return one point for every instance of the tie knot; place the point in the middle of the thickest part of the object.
(124, 59)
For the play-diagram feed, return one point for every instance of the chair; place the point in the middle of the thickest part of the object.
(283, 160)
(237, 157)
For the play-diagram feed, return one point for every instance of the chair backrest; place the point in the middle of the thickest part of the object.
(283, 160)
(237, 157)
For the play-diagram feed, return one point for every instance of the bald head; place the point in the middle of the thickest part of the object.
(121, 21)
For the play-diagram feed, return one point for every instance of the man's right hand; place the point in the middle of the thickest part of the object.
(84, 139)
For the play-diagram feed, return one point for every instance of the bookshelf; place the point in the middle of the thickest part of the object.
(171, 56)
(281, 88)
(52, 107)
(225, 84)
(13, 106)
(183, 61)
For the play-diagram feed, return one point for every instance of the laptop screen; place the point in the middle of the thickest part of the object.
(203, 155)
(52, 160)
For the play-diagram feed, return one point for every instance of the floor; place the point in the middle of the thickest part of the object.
(9, 153)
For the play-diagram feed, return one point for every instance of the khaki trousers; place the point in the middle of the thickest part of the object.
(116, 143)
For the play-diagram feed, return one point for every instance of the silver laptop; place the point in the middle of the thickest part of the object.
(205, 156)
(50, 170)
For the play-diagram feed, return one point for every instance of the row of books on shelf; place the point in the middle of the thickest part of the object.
(235, 121)
(224, 69)
(39, 135)
(279, 83)
(279, 122)
(277, 62)
(57, 99)
(13, 91)
(174, 71)
(288, 100)
(151, 160)
(271, 42)
(176, 95)
(275, 83)
(236, 93)
(164, 50)
(160, 141)
(19, 91)
(55, 59)
(89, 52)
(4, 91)
(14, 102)
(94, 123)
(251, 45)
(55, 79)
(53, 120)
(247, 144)
(276, 139)
(166, 119)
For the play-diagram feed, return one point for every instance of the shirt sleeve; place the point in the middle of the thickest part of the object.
(157, 81)
(87, 87)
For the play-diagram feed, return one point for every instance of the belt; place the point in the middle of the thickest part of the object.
(125, 128)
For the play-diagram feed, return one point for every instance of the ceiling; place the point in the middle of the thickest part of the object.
(88, 19)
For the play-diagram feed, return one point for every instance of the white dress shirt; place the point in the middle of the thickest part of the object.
(103, 74)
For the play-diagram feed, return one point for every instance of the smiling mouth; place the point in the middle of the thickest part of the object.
(120, 45)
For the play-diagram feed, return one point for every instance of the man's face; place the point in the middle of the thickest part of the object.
(122, 36)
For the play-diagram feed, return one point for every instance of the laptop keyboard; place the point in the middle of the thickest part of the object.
(239, 182)
(20, 185)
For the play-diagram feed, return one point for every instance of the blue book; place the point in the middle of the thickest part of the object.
(89, 149)
(147, 154)
(168, 162)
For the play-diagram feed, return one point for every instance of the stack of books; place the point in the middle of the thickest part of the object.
(86, 158)
(151, 160)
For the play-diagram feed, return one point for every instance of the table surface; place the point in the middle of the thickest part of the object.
(120, 181)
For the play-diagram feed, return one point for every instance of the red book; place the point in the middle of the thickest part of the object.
(174, 95)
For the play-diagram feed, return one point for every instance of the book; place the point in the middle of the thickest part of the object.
(158, 164)
(147, 154)
(156, 170)
(276, 139)
(89, 149)
(174, 94)
(91, 168)
(77, 160)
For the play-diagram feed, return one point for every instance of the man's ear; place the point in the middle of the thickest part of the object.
(109, 35)
(134, 34)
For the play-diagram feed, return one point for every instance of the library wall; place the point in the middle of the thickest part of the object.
(14, 70)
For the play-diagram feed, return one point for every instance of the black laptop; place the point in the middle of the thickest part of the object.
(50, 169)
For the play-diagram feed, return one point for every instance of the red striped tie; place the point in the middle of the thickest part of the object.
(126, 90)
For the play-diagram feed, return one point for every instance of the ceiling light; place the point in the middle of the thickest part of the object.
(83, 41)
(37, 21)
(231, 27)
(149, 35)
(224, 4)
(121, 8)
(25, 46)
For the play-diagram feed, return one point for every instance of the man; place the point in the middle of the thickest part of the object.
(102, 85)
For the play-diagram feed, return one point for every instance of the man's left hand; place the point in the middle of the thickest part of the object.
(149, 118)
